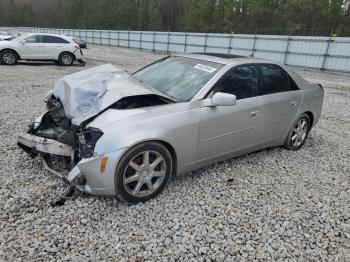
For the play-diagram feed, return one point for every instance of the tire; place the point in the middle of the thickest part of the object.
(298, 133)
(135, 178)
(66, 59)
(8, 57)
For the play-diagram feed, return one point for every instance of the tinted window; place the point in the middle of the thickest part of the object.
(276, 80)
(54, 40)
(33, 39)
(241, 82)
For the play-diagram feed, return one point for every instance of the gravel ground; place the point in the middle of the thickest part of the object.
(270, 205)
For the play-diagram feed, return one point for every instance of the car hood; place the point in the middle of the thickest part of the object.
(86, 93)
(5, 37)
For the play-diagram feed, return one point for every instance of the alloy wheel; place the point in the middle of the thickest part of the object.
(67, 59)
(8, 58)
(144, 173)
(299, 132)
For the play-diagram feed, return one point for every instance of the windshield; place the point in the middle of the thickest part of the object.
(178, 77)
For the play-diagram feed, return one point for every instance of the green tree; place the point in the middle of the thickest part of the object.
(305, 17)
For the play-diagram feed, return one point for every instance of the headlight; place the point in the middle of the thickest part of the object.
(87, 140)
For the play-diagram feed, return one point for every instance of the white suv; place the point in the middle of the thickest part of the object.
(36, 46)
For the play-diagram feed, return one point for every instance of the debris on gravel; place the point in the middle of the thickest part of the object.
(270, 205)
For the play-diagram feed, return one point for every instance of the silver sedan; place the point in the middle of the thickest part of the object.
(107, 132)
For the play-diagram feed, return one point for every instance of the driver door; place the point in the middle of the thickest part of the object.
(32, 48)
(228, 129)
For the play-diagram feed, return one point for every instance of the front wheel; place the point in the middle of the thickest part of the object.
(143, 172)
(8, 57)
(298, 133)
(66, 59)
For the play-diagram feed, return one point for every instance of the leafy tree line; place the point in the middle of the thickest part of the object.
(298, 17)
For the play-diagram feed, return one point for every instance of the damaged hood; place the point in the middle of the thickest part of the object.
(88, 92)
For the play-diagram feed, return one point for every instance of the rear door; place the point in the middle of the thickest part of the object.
(32, 48)
(228, 129)
(52, 46)
(282, 98)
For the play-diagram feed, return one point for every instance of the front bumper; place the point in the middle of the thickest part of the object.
(45, 145)
(86, 174)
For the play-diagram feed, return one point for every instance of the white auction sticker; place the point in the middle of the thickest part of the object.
(205, 68)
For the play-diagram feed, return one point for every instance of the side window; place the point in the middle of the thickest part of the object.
(54, 40)
(33, 39)
(276, 80)
(241, 82)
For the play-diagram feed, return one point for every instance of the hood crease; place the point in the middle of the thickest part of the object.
(86, 93)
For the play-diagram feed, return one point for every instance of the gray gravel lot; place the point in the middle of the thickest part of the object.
(281, 204)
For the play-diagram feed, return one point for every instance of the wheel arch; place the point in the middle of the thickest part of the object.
(74, 57)
(13, 50)
(172, 152)
(167, 145)
(311, 116)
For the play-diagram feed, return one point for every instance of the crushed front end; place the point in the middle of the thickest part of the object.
(60, 144)
(64, 138)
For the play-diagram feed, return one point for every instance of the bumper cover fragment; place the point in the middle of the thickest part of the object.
(45, 145)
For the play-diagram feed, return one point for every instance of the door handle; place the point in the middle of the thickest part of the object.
(255, 113)
(293, 103)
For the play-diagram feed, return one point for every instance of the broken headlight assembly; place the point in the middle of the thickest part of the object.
(87, 140)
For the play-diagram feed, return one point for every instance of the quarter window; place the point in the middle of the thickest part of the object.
(276, 80)
(241, 82)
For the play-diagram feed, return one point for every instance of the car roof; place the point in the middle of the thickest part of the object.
(43, 34)
(236, 60)
(62, 36)
(227, 59)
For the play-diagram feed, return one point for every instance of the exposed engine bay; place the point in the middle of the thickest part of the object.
(55, 125)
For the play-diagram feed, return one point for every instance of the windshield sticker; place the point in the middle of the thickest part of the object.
(205, 68)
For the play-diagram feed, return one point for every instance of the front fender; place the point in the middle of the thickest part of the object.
(124, 138)
(183, 139)
(13, 48)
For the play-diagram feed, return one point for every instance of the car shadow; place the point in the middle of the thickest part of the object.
(44, 63)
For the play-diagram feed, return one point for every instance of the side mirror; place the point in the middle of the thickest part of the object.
(222, 99)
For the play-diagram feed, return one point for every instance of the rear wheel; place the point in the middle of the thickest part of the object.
(143, 172)
(298, 133)
(8, 57)
(66, 59)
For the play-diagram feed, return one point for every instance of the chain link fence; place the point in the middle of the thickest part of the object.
(323, 53)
